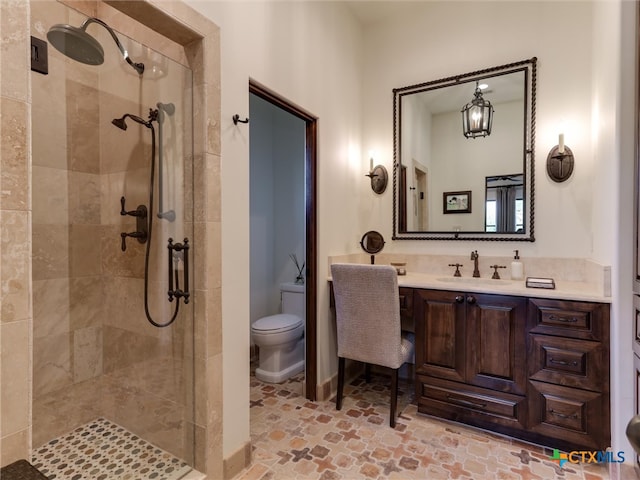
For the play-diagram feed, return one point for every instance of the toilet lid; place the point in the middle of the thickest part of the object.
(277, 323)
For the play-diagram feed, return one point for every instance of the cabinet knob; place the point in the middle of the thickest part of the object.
(471, 299)
(459, 299)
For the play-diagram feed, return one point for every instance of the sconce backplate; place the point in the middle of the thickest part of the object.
(379, 179)
(560, 165)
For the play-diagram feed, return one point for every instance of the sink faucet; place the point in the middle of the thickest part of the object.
(474, 257)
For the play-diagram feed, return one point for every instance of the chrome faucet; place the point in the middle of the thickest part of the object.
(474, 257)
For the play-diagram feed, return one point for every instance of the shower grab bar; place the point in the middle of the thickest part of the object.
(173, 271)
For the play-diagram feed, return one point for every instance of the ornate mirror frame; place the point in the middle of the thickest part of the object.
(528, 67)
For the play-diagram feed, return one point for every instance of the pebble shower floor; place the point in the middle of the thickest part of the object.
(103, 450)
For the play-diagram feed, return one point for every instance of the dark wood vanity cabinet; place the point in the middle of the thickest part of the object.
(470, 357)
(568, 363)
(531, 368)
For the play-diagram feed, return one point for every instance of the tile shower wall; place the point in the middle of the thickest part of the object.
(15, 247)
(94, 352)
(199, 47)
(68, 284)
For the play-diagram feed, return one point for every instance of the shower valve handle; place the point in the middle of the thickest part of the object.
(141, 236)
(138, 212)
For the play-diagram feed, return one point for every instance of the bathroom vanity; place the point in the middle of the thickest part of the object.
(529, 363)
(532, 368)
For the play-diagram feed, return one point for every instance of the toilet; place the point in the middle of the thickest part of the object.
(280, 337)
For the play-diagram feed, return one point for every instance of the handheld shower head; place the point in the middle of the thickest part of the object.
(77, 44)
(121, 124)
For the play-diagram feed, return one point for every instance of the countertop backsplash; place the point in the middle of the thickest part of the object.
(575, 270)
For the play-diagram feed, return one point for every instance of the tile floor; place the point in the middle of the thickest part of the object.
(103, 450)
(293, 438)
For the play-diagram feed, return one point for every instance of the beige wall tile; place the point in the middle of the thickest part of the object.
(85, 255)
(15, 265)
(49, 147)
(213, 189)
(50, 196)
(84, 198)
(83, 129)
(87, 353)
(51, 307)
(86, 302)
(50, 251)
(62, 410)
(123, 348)
(14, 57)
(51, 363)
(15, 446)
(14, 150)
(115, 262)
(15, 395)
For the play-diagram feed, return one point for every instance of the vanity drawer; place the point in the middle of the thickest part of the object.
(465, 400)
(583, 320)
(566, 361)
(577, 417)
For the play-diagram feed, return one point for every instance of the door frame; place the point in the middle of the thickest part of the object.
(310, 200)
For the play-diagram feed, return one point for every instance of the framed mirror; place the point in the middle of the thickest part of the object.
(448, 185)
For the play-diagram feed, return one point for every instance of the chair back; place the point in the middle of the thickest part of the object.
(368, 313)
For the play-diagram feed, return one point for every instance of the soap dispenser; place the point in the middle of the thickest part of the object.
(517, 269)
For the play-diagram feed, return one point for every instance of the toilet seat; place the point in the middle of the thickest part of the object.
(280, 323)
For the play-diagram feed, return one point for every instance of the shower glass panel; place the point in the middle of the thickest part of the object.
(95, 353)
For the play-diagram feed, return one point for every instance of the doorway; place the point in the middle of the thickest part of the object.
(420, 195)
(309, 207)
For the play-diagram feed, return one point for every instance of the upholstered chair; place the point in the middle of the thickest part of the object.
(367, 308)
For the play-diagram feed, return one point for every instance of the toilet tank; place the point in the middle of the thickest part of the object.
(292, 299)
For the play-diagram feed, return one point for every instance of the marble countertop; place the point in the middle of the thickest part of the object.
(564, 289)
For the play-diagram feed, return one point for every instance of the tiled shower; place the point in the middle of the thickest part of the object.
(88, 350)
(94, 353)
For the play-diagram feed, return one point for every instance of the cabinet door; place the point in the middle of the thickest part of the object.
(496, 347)
(440, 333)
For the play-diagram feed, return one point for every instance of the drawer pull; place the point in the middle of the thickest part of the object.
(459, 299)
(466, 402)
(555, 318)
(562, 362)
(562, 415)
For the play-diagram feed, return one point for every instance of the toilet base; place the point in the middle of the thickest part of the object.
(279, 364)
(281, 376)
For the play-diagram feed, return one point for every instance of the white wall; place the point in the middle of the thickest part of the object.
(613, 121)
(310, 53)
(461, 164)
(440, 39)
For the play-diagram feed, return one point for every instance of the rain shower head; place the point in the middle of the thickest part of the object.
(77, 44)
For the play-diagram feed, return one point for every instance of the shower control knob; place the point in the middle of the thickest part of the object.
(138, 212)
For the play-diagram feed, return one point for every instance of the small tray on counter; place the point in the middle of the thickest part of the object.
(540, 282)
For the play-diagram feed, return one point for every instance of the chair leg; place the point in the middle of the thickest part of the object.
(340, 383)
(394, 397)
(367, 372)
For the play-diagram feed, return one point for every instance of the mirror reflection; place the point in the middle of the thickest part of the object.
(450, 185)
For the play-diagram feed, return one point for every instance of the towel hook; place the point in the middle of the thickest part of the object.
(236, 119)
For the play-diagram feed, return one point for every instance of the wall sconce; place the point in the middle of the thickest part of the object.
(477, 116)
(560, 161)
(378, 176)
